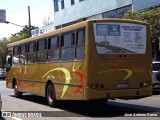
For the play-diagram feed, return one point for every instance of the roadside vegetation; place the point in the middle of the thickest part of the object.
(153, 18)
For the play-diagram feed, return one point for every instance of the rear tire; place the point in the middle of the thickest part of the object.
(51, 98)
(17, 94)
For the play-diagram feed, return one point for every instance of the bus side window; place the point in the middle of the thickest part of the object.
(41, 50)
(80, 41)
(53, 49)
(23, 53)
(31, 52)
(67, 47)
(16, 55)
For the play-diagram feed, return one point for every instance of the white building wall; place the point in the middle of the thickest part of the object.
(144, 4)
(86, 8)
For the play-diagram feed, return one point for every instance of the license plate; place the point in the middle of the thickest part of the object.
(122, 85)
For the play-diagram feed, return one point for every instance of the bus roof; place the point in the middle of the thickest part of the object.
(76, 26)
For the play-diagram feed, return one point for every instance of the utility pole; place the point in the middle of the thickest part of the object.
(29, 21)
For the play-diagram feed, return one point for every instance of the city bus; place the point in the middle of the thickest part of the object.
(93, 60)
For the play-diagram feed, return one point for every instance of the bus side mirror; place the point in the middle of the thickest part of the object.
(8, 62)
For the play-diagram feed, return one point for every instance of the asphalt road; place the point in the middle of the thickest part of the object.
(32, 106)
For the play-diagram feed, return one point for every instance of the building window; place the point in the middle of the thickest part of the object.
(62, 4)
(56, 6)
(72, 2)
(81, 0)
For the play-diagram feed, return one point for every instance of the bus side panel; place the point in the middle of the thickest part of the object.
(16, 72)
(72, 77)
(50, 72)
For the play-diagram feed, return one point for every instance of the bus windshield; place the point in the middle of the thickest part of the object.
(120, 38)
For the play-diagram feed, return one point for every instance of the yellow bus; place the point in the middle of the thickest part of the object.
(94, 60)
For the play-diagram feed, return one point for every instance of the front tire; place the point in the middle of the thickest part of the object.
(17, 94)
(51, 98)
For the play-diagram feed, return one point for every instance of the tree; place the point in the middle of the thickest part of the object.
(24, 33)
(153, 18)
(3, 50)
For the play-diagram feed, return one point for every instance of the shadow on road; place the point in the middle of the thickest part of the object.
(83, 109)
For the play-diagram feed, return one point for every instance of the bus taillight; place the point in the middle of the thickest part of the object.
(145, 84)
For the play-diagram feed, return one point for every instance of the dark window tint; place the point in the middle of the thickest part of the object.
(56, 8)
(31, 52)
(41, 45)
(41, 50)
(53, 42)
(53, 49)
(62, 4)
(31, 58)
(32, 47)
(67, 47)
(81, 0)
(41, 56)
(16, 55)
(23, 48)
(16, 50)
(79, 52)
(156, 66)
(80, 40)
(67, 40)
(23, 55)
(53, 55)
(72, 2)
(67, 54)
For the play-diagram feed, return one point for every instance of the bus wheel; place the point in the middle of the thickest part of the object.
(16, 93)
(51, 98)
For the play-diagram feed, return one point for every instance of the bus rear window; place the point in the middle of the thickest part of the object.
(120, 38)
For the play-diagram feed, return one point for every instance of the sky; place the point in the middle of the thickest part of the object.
(17, 12)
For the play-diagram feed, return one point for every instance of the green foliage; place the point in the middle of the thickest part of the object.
(152, 17)
(3, 52)
(24, 33)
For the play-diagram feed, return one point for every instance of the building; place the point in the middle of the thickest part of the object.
(67, 12)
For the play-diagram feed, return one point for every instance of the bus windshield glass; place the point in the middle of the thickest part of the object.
(120, 38)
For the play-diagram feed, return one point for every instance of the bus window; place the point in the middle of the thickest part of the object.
(31, 52)
(53, 49)
(16, 55)
(41, 50)
(23, 53)
(67, 47)
(80, 45)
